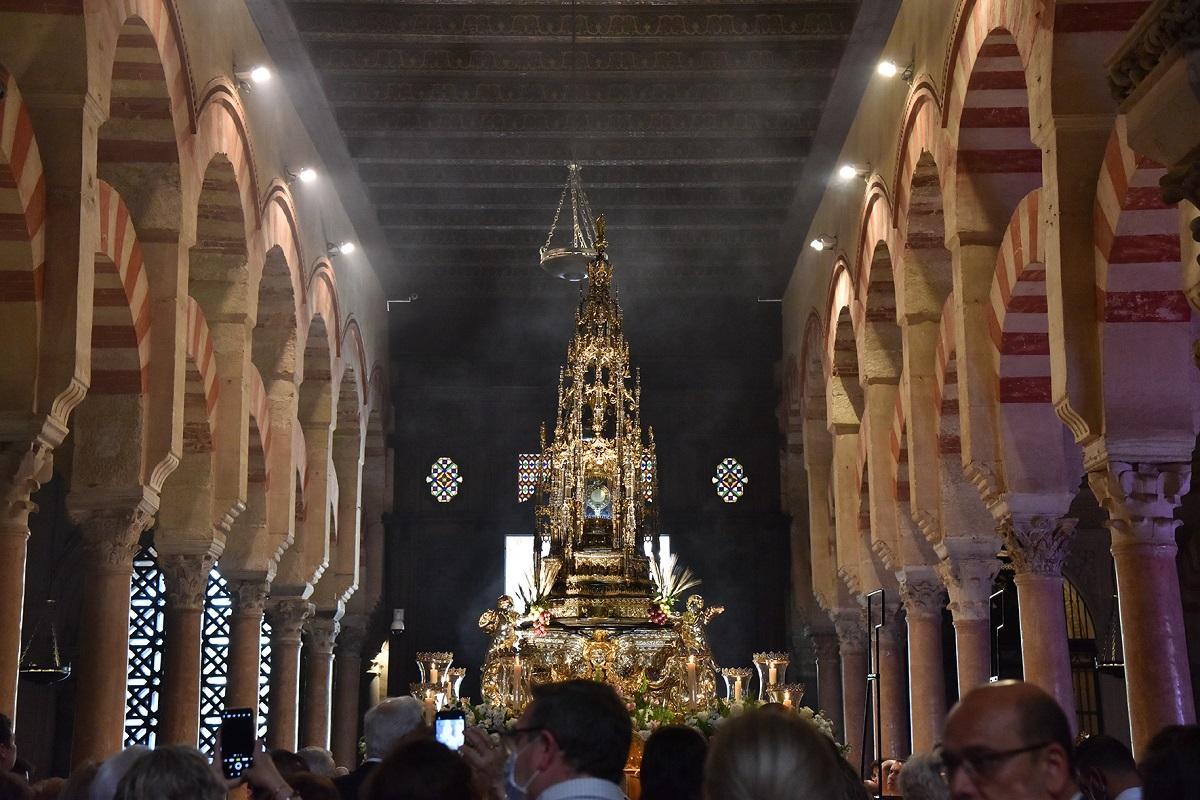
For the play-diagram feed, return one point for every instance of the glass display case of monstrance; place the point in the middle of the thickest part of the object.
(597, 606)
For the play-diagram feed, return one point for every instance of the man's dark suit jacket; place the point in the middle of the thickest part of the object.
(350, 786)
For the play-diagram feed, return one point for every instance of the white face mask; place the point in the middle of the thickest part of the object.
(513, 789)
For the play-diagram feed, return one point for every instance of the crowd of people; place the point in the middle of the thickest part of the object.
(1004, 741)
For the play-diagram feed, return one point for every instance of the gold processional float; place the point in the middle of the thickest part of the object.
(596, 605)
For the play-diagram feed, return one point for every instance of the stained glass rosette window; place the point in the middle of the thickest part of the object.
(730, 480)
(443, 480)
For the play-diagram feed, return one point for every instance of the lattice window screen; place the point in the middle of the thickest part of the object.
(264, 677)
(214, 664)
(147, 603)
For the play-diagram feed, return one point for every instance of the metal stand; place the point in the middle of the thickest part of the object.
(871, 708)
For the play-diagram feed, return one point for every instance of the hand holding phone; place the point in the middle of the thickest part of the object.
(449, 727)
(237, 741)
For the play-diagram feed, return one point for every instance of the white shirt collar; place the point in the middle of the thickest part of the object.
(583, 789)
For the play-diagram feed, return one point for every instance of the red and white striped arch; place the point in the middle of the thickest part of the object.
(222, 130)
(121, 303)
(22, 205)
(200, 353)
(946, 383)
(921, 134)
(977, 20)
(280, 230)
(1018, 319)
(260, 416)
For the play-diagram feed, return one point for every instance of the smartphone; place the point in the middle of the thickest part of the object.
(237, 741)
(449, 728)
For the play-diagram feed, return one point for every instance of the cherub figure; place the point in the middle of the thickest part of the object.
(501, 623)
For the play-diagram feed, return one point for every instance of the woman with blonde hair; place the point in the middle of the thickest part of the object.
(766, 755)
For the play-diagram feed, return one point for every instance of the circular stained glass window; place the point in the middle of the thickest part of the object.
(730, 480)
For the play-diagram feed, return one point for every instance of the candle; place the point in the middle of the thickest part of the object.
(771, 675)
(787, 699)
(737, 689)
(691, 677)
(430, 707)
(433, 676)
(516, 687)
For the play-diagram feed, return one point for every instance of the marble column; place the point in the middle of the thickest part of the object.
(346, 690)
(852, 647)
(322, 633)
(22, 472)
(110, 541)
(1038, 546)
(829, 678)
(893, 694)
(286, 617)
(923, 601)
(1141, 500)
(968, 581)
(186, 576)
(245, 642)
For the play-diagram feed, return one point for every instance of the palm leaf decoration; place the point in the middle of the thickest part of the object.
(536, 586)
(670, 580)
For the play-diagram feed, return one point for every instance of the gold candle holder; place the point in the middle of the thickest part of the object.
(434, 666)
(789, 695)
(771, 667)
(736, 681)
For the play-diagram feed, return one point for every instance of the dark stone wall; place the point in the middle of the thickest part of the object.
(473, 382)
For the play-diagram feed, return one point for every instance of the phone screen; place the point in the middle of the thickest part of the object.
(450, 731)
(237, 741)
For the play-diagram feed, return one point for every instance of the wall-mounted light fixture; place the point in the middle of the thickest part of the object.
(303, 175)
(344, 248)
(255, 76)
(890, 69)
(822, 243)
(848, 172)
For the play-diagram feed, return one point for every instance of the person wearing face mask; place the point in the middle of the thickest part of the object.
(1106, 770)
(571, 743)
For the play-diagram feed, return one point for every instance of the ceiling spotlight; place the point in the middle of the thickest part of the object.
(890, 69)
(255, 76)
(304, 175)
(823, 243)
(339, 249)
(848, 172)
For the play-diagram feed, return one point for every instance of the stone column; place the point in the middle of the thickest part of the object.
(829, 678)
(186, 576)
(245, 642)
(852, 646)
(322, 632)
(347, 674)
(287, 617)
(110, 541)
(1038, 546)
(923, 601)
(893, 694)
(968, 581)
(1141, 500)
(22, 470)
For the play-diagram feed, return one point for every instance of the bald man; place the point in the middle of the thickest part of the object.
(1008, 741)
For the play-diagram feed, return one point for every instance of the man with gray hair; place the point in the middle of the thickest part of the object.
(384, 727)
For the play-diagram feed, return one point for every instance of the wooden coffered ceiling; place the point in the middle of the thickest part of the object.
(693, 122)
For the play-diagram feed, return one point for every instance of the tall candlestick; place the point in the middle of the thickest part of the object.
(691, 677)
(516, 687)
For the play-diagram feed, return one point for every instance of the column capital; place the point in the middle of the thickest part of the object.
(23, 470)
(1141, 500)
(353, 635)
(825, 645)
(186, 577)
(322, 633)
(922, 598)
(249, 596)
(851, 628)
(110, 535)
(287, 616)
(1037, 543)
(969, 581)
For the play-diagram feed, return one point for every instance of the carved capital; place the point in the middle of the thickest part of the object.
(287, 617)
(110, 537)
(969, 583)
(1141, 500)
(186, 576)
(249, 597)
(322, 633)
(23, 470)
(986, 479)
(1174, 22)
(1037, 544)
(826, 646)
(922, 598)
(851, 627)
(352, 637)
